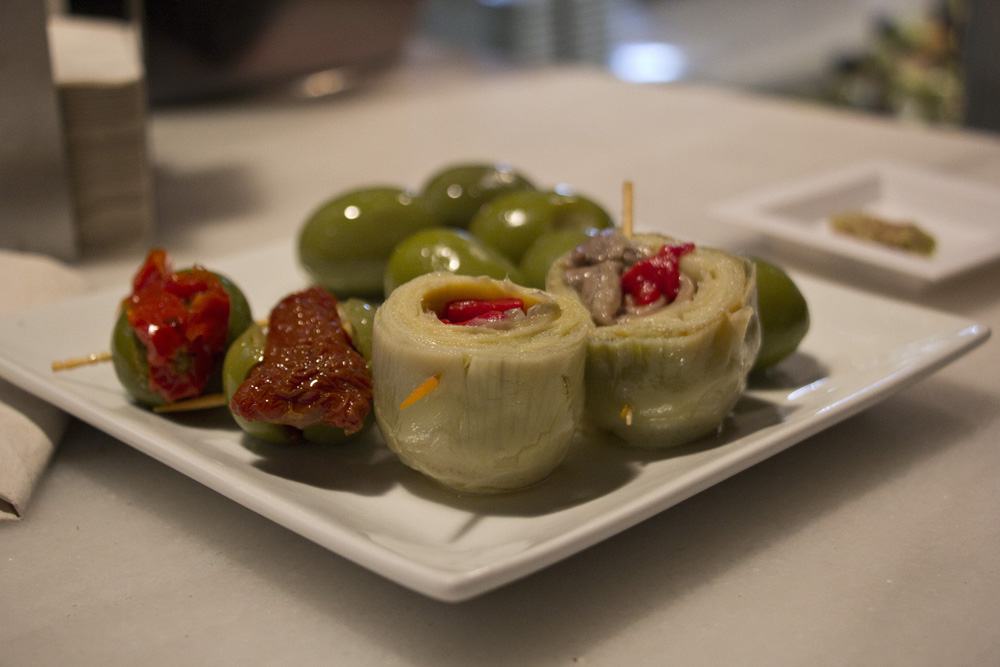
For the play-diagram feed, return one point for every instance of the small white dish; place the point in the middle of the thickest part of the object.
(963, 217)
(358, 501)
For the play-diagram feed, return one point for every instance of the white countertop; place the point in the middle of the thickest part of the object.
(874, 542)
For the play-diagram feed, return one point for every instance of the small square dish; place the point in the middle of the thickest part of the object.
(962, 217)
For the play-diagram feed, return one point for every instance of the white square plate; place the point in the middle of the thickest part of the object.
(360, 502)
(963, 217)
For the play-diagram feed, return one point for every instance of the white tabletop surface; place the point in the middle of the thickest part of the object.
(872, 543)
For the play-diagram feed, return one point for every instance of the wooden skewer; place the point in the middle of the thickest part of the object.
(76, 362)
(198, 403)
(627, 222)
(100, 357)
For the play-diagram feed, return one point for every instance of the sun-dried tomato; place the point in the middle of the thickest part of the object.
(310, 373)
(182, 319)
(658, 276)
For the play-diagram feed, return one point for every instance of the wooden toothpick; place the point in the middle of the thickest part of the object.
(627, 222)
(76, 362)
(203, 402)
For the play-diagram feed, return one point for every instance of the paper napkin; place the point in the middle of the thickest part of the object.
(30, 428)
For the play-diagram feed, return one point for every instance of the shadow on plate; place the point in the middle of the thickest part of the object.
(364, 465)
(597, 464)
(794, 372)
(591, 469)
(212, 419)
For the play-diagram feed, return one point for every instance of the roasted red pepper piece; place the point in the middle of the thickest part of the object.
(463, 311)
(310, 373)
(182, 319)
(658, 276)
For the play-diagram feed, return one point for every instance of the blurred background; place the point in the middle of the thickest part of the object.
(80, 76)
(922, 60)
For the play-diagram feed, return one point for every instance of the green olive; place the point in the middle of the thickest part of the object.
(511, 222)
(242, 356)
(574, 211)
(359, 316)
(455, 194)
(784, 314)
(245, 353)
(240, 316)
(128, 354)
(346, 242)
(546, 249)
(445, 249)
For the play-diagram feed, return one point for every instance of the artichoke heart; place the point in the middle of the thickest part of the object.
(478, 409)
(672, 375)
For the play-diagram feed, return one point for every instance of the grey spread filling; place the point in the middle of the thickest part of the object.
(595, 272)
(514, 318)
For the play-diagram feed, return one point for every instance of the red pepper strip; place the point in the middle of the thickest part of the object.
(182, 319)
(658, 276)
(462, 311)
(153, 271)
